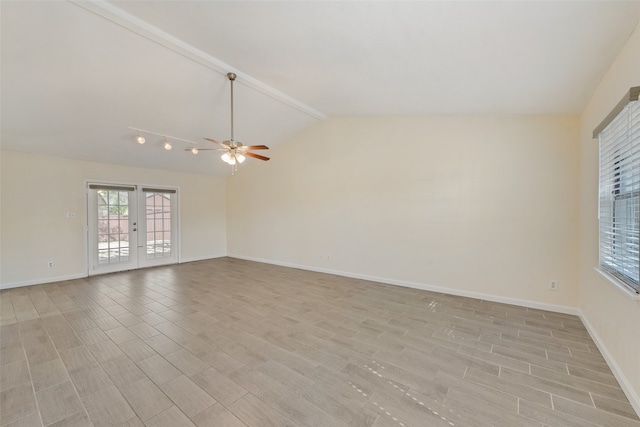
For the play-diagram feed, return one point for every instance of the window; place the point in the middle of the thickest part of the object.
(619, 196)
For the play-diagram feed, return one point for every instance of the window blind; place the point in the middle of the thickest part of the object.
(619, 195)
(159, 190)
(112, 187)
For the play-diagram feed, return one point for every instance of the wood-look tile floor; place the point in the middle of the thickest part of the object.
(234, 343)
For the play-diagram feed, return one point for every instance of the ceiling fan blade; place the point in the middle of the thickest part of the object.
(207, 149)
(217, 142)
(254, 147)
(256, 156)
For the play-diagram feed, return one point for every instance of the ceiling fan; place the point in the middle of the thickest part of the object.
(235, 152)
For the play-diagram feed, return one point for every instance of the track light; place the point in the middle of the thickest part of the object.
(234, 151)
(140, 139)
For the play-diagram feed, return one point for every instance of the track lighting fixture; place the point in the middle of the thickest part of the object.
(140, 139)
(235, 152)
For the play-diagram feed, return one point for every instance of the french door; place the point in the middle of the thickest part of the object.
(131, 227)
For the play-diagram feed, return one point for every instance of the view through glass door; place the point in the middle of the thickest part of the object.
(158, 227)
(131, 227)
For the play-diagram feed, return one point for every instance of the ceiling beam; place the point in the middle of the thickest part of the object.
(118, 16)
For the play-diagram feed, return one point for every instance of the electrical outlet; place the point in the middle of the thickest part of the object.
(553, 285)
(50, 264)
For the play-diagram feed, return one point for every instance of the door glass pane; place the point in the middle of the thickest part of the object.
(113, 226)
(158, 214)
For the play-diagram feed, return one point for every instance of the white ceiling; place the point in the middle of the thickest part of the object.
(75, 75)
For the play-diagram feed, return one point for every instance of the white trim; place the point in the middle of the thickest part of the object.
(144, 262)
(618, 284)
(124, 19)
(138, 186)
(203, 258)
(42, 281)
(634, 398)
(478, 295)
(84, 275)
(179, 226)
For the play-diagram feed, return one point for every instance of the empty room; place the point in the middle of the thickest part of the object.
(319, 213)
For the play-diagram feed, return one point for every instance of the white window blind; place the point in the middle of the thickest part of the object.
(619, 198)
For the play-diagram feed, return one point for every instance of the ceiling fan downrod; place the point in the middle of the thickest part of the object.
(236, 152)
(232, 77)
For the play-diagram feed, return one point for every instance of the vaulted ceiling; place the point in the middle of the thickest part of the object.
(76, 75)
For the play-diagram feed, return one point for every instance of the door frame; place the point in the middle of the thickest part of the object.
(144, 262)
(87, 238)
(94, 266)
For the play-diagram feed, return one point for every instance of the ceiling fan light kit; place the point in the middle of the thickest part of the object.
(235, 152)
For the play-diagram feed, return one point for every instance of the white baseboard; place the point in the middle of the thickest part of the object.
(633, 397)
(42, 281)
(204, 258)
(478, 295)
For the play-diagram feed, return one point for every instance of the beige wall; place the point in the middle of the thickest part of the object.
(38, 191)
(475, 205)
(612, 316)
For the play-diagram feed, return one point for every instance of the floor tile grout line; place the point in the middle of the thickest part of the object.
(33, 388)
(85, 346)
(128, 303)
(68, 374)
